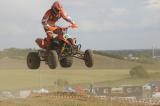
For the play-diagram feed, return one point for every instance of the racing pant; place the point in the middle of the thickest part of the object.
(43, 43)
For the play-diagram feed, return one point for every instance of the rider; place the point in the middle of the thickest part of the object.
(50, 18)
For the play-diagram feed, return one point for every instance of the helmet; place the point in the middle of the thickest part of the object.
(56, 8)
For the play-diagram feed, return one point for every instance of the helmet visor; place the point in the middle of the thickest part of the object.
(55, 11)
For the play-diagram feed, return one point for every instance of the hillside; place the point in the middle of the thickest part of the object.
(101, 62)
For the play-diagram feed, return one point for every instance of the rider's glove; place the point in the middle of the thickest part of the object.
(74, 25)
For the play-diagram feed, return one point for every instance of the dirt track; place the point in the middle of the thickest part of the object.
(52, 101)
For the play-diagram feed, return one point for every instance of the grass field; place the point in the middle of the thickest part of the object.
(13, 79)
(14, 75)
(25, 79)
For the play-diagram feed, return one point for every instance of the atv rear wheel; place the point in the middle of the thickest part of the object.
(88, 58)
(52, 59)
(66, 62)
(33, 60)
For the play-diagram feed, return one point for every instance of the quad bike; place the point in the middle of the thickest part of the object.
(60, 51)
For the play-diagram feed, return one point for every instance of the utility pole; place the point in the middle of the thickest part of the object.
(153, 52)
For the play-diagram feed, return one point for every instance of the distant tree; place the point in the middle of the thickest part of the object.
(105, 53)
(16, 53)
(61, 82)
(138, 71)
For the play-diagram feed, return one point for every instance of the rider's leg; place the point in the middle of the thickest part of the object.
(60, 32)
(50, 36)
(43, 43)
(71, 41)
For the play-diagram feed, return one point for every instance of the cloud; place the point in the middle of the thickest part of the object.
(21, 19)
(119, 11)
(11, 30)
(74, 3)
(88, 25)
(111, 25)
(103, 26)
(153, 4)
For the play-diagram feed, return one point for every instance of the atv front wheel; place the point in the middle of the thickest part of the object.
(66, 62)
(88, 58)
(33, 60)
(52, 59)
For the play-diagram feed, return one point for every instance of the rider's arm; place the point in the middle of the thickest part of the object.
(66, 17)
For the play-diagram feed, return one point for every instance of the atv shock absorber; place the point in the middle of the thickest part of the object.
(62, 50)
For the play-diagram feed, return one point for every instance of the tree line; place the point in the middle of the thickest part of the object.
(15, 53)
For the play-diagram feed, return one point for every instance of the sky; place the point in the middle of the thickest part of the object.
(103, 24)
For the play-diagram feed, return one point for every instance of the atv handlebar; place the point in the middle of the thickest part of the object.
(70, 26)
(65, 29)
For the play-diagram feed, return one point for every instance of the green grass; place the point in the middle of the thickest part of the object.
(25, 79)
